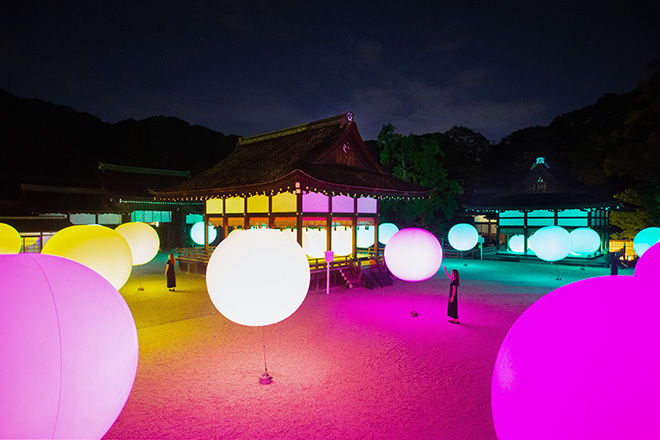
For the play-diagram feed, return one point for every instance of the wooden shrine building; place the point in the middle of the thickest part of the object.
(317, 181)
(542, 198)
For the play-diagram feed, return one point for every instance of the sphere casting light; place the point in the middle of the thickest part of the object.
(645, 239)
(584, 241)
(594, 377)
(254, 294)
(386, 231)
(463, 236)
(413, 254)
(142, 239)
(10, 239)
(197, 233)
(69, 349)
(97, 247)
(551, 243)
(517, 243)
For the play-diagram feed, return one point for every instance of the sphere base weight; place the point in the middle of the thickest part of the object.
(265, 379)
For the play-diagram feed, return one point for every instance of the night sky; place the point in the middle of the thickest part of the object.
(249, 67)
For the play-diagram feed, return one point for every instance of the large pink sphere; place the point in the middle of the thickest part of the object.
(68, 350)
(413, 254)
(583, 362)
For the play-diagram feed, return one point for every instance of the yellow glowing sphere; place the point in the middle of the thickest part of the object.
(254, 294)
(101, 249)
(10, 239)
(142, 239)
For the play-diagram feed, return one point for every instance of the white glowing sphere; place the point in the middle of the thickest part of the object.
(366, 236)
(10, 239)
(386, 231)
(584, 241)
(342, 241)
(69, 349)
(257, 277)
(413, 254)
(315, 242)
(197, 233)
(142, 239)
(463, 236)
(517, 243)
(595, 377)
(551, 243)
(97, 247)
(645, 239)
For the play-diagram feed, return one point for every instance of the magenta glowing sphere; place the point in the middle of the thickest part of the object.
(463, 236)
(10, 239)
(142, 239)
(584, 241)
(257, 277)
(645, 239)
(413, 254)
(551, 243)
(583, 362)
(69, 349)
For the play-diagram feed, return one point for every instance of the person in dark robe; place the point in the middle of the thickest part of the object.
(169, 272)
(452, 306)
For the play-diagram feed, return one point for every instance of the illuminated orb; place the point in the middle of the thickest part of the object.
(551, 243)
(342, 241)
(97, 247)
(590, 372)
(69, 349)
(517, 243)
(463, 236)
(315, 242)
(142, 239)
(197, 233)
(257, 277)
(645, 239)
(584, 241)
(386, 231)
(366, 236)
(10, 239)
(413, 254)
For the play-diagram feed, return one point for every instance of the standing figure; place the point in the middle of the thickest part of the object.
(452, 307)
(169, 272)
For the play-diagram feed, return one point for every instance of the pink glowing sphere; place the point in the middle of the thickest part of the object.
(10, 239)
(69, 349)
(413, 254)
(257, 277)
(98, 247)
(463, 236)
(551, 243)
(583, 362)
(142, 239)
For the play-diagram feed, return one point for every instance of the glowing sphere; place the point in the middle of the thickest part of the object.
(551, 243)
(584, 241)
(197, 233)
(366, 236)
(386, 231)
(97, 247)
(315, 242)
(69, 349)
(645, 239)
(257, 277)
(517, 243)
(593, 375)
(463, 236)
(413, 254)
(342, 241)
(10, 239)
(142, 239)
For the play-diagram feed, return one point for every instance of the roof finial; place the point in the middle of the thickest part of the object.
(348, 118)
(539, 161)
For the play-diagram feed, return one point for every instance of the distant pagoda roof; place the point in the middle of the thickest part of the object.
(541, 189)
(326, 156)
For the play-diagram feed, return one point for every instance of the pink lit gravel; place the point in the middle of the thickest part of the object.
(349, 365)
